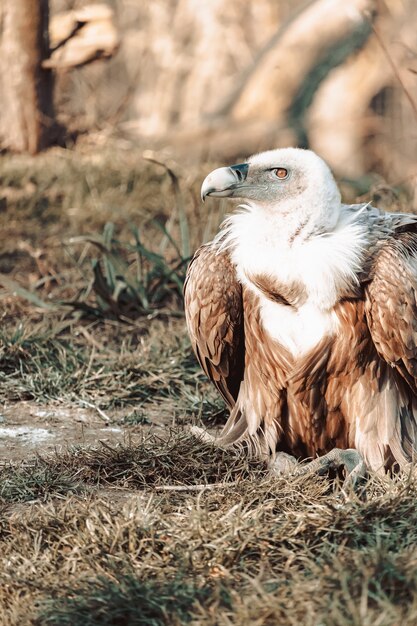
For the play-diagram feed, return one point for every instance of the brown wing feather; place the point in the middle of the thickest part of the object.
(391, 306)
(214, 314)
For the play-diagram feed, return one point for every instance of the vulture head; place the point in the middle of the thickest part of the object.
(283, 182)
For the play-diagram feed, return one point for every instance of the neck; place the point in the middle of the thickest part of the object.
(295, 221)
(277, 228)
(289, 250)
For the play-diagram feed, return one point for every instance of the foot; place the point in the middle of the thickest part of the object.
(283, 463)
(351, 460)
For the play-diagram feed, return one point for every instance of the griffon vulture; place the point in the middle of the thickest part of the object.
(303, 313)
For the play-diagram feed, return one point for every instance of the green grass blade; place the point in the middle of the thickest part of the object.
(14, 288)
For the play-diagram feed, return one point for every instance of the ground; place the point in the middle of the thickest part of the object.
(110, 511)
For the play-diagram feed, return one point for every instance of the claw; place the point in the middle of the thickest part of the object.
(350, 459)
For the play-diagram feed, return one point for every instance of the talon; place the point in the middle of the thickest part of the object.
(350, 459)
(356, 471)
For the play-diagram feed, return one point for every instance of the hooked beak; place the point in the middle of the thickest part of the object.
(224, 181)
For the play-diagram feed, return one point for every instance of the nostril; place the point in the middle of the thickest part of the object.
(241, 171)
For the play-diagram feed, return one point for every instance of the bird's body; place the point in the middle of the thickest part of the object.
(303, 313)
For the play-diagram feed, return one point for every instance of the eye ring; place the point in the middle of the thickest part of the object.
(280, 172)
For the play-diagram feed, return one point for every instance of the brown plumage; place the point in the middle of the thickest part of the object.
(349, 381)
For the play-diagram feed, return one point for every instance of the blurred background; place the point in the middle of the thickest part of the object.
(204, 81)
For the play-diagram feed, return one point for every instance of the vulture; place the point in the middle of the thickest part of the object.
(303, 313)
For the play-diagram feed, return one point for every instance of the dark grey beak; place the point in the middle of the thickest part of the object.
(224, 181)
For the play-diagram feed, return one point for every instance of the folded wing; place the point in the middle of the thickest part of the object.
(214, 314)
(391, 304)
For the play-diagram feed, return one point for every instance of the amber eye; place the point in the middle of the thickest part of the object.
(281, 172)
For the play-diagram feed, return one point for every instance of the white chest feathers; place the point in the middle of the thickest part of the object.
(298, 330)
(325, 265)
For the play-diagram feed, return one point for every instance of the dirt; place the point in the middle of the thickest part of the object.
(27, 428)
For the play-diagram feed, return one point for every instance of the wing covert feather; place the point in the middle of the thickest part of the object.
(391, 304)
(214, 315)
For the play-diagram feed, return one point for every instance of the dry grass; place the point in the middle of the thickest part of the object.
(258, 551)
(102, 535)
(177, 459)
(112, 364)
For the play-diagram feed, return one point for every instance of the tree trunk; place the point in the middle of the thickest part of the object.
(339, 120)
(299, 52)
(26, 116)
